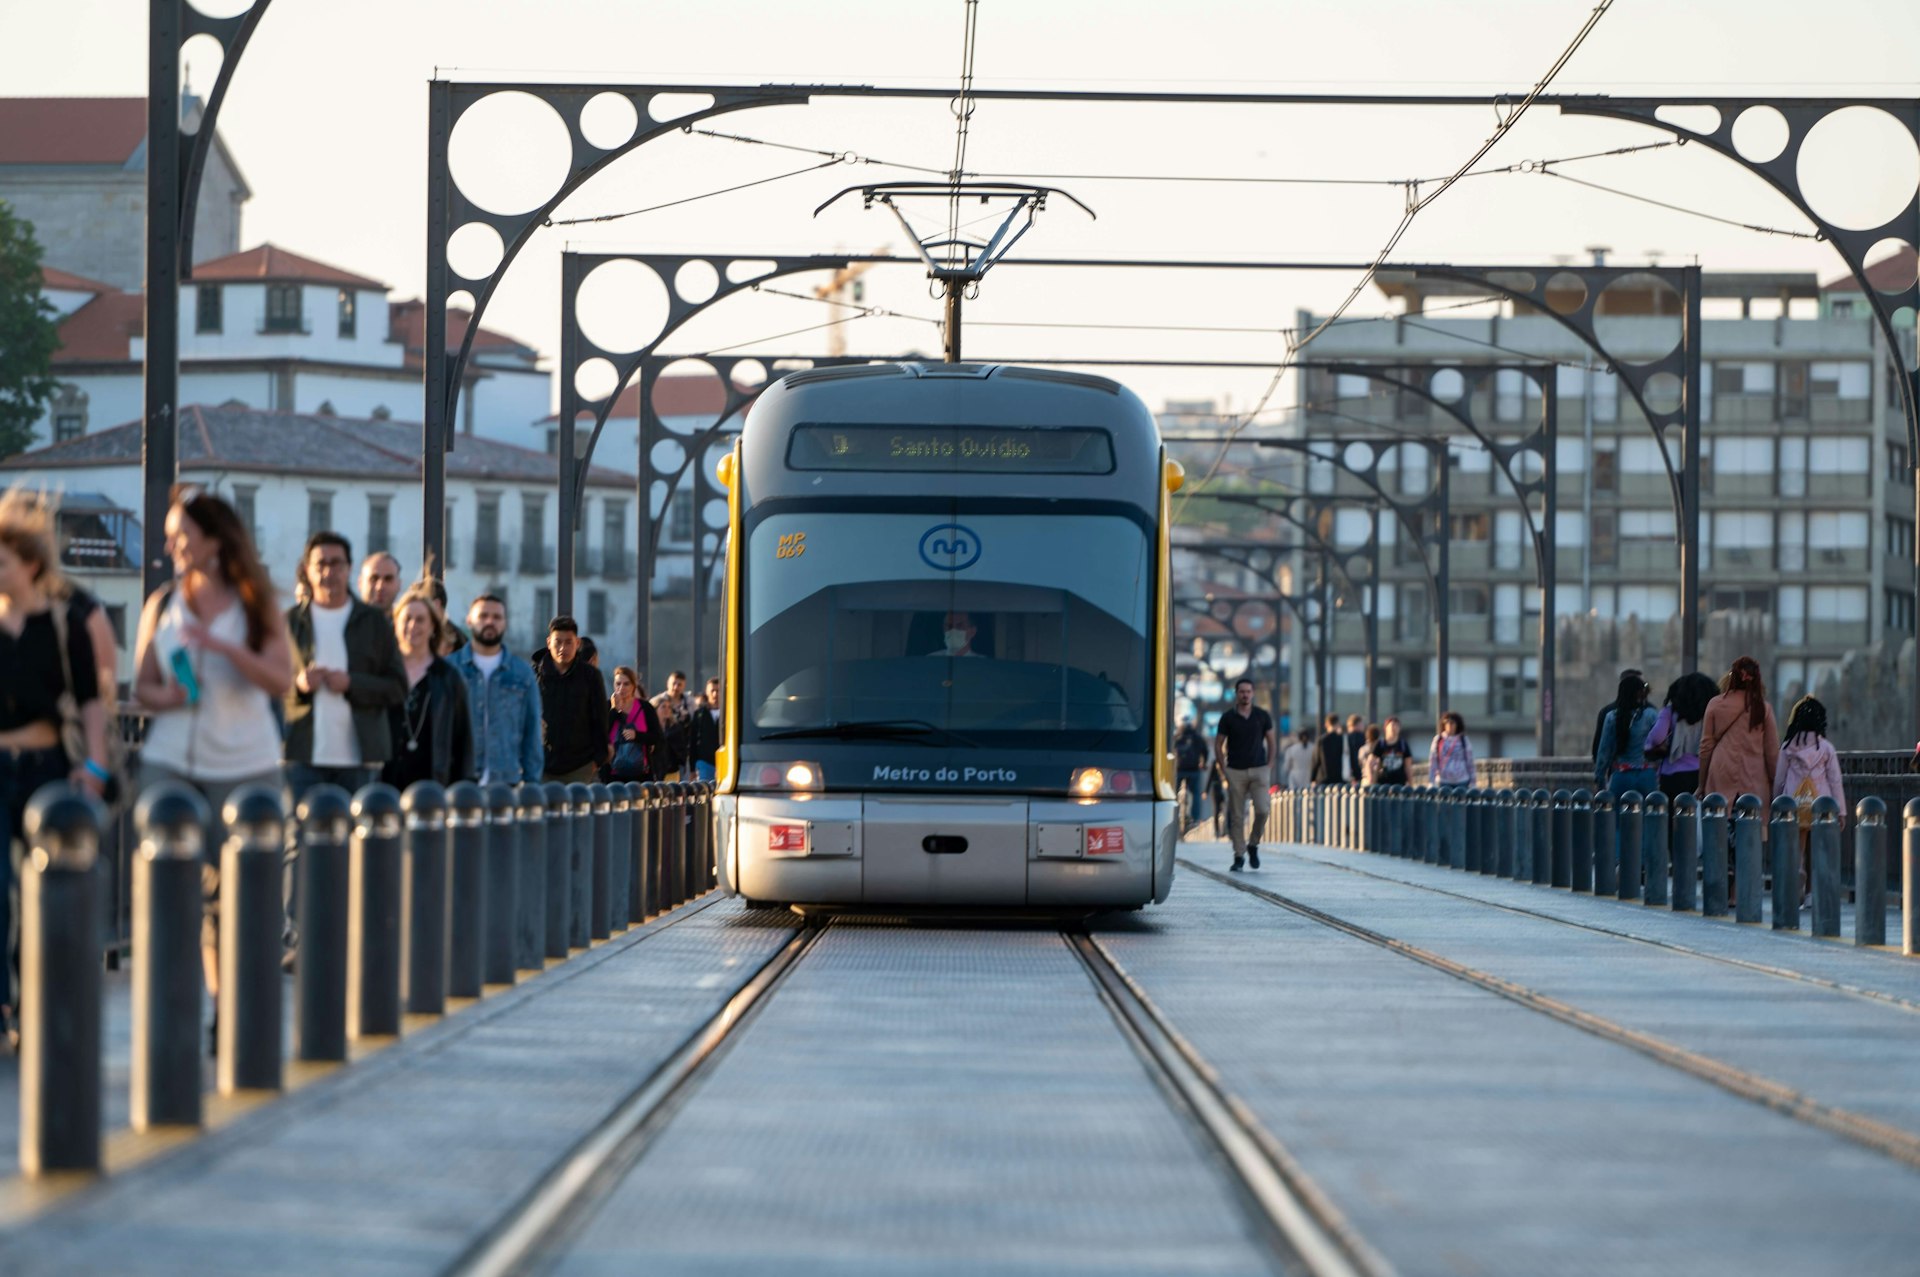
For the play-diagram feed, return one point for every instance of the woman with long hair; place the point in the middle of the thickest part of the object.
(1623, 767)
(1450, 760)
(211, 660)
(1739, 740)
(1808, 769)
(49, 678)
(635, 734)
(1674, 741)
(433, 726)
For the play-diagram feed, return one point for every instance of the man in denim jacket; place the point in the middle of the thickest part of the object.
(505, 697)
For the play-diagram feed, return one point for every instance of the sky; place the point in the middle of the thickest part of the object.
(327, 120)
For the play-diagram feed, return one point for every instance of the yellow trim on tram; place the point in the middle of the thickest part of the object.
(728, 472)
(1173, 475)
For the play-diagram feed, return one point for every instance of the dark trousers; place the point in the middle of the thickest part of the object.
(302, 777)
(22, 773)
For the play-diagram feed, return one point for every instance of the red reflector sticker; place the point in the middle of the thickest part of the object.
(786, 838)
(1106, 840)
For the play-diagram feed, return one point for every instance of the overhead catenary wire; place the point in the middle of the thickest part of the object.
(1681, 208)
(962, 117)
(1416, 203)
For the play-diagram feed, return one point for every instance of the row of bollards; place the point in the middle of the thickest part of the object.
(402, 902)
(1633, 847)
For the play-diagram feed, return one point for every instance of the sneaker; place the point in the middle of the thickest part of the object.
(1253, 855)
(1235, 866)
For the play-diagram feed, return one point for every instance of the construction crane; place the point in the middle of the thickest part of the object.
(845, 289)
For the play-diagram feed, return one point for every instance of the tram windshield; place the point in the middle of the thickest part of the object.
(956, 627)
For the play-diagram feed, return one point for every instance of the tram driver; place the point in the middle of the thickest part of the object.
(957, 629)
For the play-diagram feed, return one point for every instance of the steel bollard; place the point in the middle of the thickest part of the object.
(325, 818)
(1783, 848)
(466, 889)
(1870, 872)
(1631, 824)
(1654, 848)
(423, 914)
(1473, 840)
(642, 905)
(1713, 856)
(1433, 827)
(1542, 838)
(579, 866)
(375, 870)
(530, 902)
(708, 841)
(252, 935)
(502, 886)
(559, 924)
(1562, 875)
(1746, 859)
(1457, 828)
(60, 983)
(1580, 842)
(1823, 855)
(1910, 881)
(172, 820)
(600, 868)
(1503, 822)
(676, 818)
(1686, 851)
(619, 858)
(1522, 835)
(1605, 845)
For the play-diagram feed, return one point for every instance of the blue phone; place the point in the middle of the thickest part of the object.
(182, 665)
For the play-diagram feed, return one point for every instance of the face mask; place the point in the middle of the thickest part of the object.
(956, 640)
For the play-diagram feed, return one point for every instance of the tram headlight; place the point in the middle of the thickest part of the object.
(1088, 781)
(791, 775)
(1096, 782)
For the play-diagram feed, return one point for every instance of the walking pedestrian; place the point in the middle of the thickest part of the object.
(1600, 719)
(1332, 764)
(1356, 739)
(380, 581)
(1189, 761)
(433, 727)
(347, 676)
(503, 698)
(1808, 769)
(1622, 766)
(1394, 755)
(573, 707)
(1450, 761)
(1296, 760)
(1674, 741)
(635, 734)
(53, 722)
(1369, 758)
(703, 737)
(211, 659)
(1244, 748)
(1739, 742)
(671, 705)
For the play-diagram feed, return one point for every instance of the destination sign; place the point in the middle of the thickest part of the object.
(979, 449)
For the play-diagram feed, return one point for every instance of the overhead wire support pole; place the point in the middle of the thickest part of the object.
(160, 435)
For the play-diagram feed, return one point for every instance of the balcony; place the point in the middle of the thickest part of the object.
(488, 555)
(536, 559)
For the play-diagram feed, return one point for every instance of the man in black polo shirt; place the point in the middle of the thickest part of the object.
(1244, 749)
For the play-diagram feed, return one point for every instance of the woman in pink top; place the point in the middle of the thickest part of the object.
(1808, 769)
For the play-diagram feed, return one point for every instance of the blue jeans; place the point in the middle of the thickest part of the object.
(1640, 780)
(22, 773)
(703, 771)
(1191, 779)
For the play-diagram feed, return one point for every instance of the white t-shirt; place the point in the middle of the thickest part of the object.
(334, 744)
(488, 664)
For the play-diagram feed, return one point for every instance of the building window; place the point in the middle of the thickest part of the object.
(1606, 468)
(68, 425)
(379, 524)
(206, 309)
(1899, 465)
(680, 525)
(243, 505)
(1472, 527)
(348, 322)
(597, 612)
(319, 511)
(553, 442)
(1899, 537)
(1900, 611)
(533, 533)
(613, 539)
(486, 531)
(283, 309)
(542, 608)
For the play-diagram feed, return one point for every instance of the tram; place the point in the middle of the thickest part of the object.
(947, 655)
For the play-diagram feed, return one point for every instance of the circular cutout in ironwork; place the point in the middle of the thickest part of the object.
(667, 457)
(673, 106)
(748, 375)
(1859, 168)
(1663, 392)
(714, 513)
(221, 9)
(1638, 318)
(1566, 293)
(1252, 620)
(200, 59)
(609, 120)
(696, 282)
(509, 152)
(1891, 266)
(687, 395)
(596, 379)
(1358, 457)
(474, 251)
(621, 306)
(1447, 385)
(1760, 134)
(1703, 120)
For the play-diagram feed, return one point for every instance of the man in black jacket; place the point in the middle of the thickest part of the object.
(347, 676)
(1332, 763)
(574, 713)
(703, 734)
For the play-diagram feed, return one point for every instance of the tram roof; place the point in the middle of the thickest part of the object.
(976, 396)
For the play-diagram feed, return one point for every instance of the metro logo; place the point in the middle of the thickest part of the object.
(1106, 840)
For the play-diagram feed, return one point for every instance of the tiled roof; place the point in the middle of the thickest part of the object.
(270, 262)
(71, 130)
(1891, 274)
(302, 444)
(52, 277)
(102, 329)
(679, 396)
(407, 324)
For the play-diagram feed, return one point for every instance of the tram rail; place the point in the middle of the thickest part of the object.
(1870, 1133)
